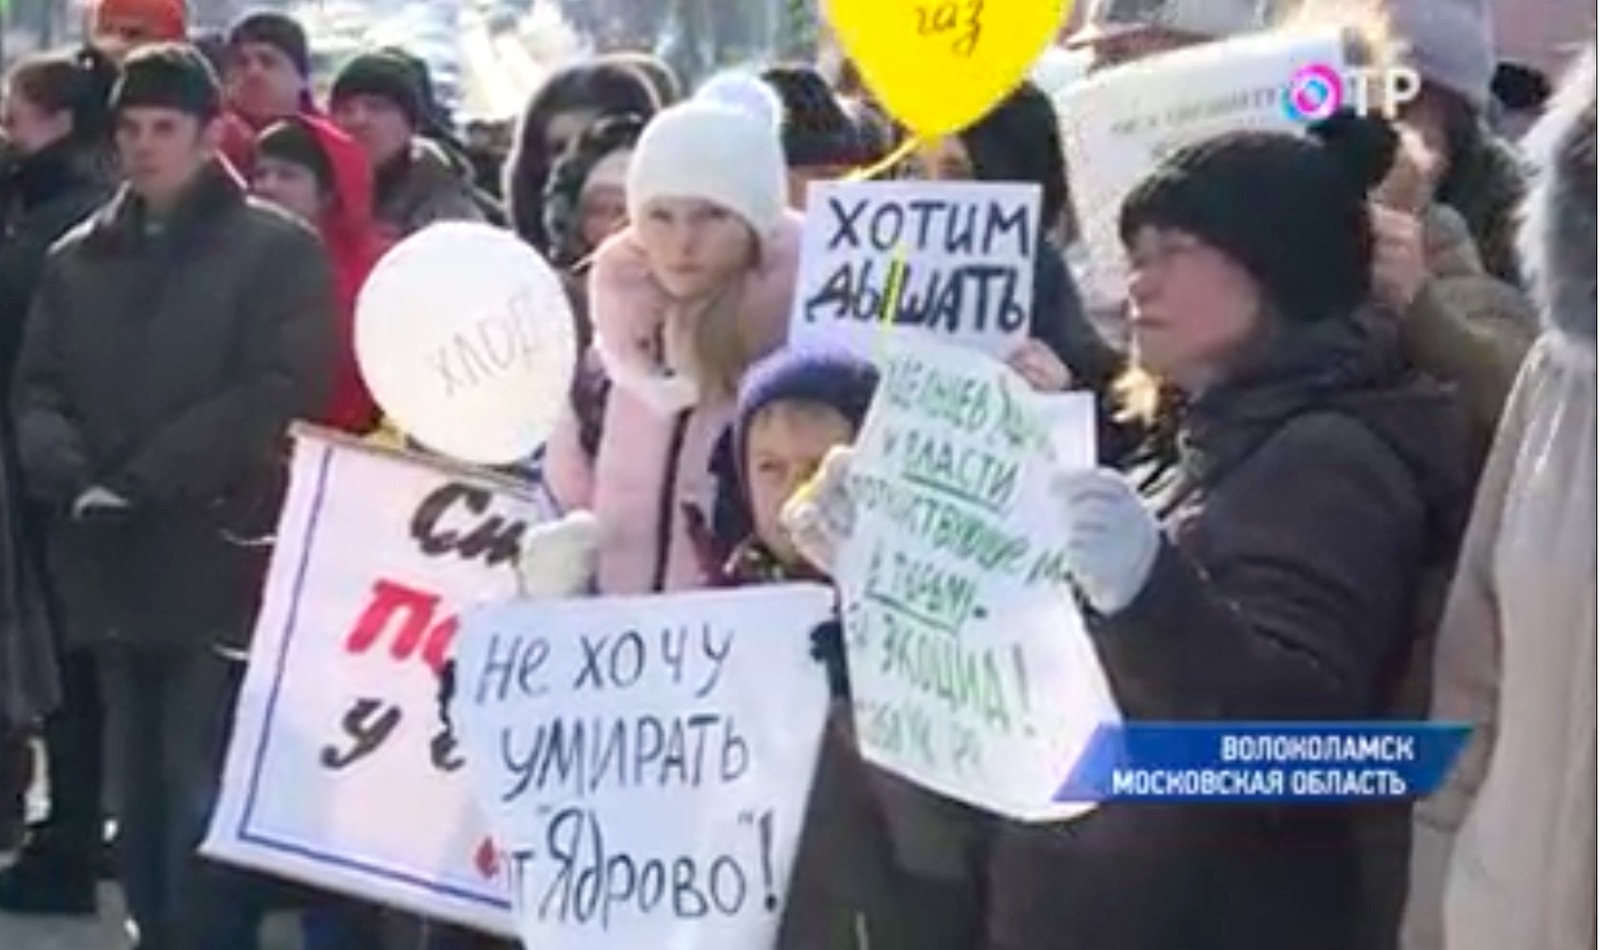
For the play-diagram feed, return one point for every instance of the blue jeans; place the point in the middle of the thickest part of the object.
(169, 713)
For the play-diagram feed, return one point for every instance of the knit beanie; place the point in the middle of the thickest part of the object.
(821, 374)
(1291, 210)
(817, 129)
(1450, 43)
(595, 151)
(386, 76)
(291, 140)
(164, 20)
(171, 76)
(1020, 141)
(278, 30)
(723, 146)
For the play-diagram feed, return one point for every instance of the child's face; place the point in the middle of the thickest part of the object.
(783, 447)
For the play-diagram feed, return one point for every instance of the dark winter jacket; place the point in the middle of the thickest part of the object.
(46, 193)
(1308, 495)
(165, 364)
(421, 187)
(1061, 323)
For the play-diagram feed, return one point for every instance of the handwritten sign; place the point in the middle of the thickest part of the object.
(338, 749)
(972, 672)
(1117, 125)
(966, 255)
(958, 19)
(645, 761)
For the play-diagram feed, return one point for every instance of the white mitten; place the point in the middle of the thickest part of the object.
(1111, 538)
(559, 558)
(822, 513)
(667, 395)
(97, 499)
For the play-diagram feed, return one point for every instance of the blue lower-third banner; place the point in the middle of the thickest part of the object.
(1268, 762)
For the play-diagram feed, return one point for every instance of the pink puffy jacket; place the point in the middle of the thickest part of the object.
(650, 464)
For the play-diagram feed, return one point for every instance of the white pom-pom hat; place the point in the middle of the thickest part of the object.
(723, 145)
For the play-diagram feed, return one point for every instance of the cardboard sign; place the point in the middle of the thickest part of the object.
(645, 761)
(340, 773)
(953, 259)
(1117, 125)
(971, 669)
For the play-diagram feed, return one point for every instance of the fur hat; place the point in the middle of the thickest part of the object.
(171, 76)
(723, 145)
(278, 30)
(1291, 210)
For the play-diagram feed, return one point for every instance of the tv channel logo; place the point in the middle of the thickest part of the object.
(1317, 91)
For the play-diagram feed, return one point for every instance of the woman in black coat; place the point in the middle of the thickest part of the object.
(55, 173)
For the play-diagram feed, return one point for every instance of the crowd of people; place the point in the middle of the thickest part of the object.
(1347, 453)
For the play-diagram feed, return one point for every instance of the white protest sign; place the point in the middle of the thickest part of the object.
(1117, 125)
(957, 256)
(340, 773)
(465, 337)
(645, 761)
(971, 669)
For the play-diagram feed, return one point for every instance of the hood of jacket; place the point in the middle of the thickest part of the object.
(351, 213)
(1354, 367)
(627, 327)
(1557, 233)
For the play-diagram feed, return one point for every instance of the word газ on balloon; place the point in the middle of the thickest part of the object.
(951, 16)
(493, 345)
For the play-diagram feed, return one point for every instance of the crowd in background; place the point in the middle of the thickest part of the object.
(1347, 452)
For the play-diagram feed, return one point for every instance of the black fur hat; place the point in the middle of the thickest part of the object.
(563, 193)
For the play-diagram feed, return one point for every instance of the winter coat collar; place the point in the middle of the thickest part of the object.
(46, 175)
(120, 224)
(1557, 234)
(628, 307)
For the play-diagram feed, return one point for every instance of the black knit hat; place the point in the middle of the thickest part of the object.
(170, 76)
(563, 192)
(1291, 210)
(817, 129)
(291, 140)
(278, 30)
(386, 76)
(1020, 141)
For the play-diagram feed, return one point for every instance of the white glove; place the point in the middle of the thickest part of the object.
(1111, 538)
(822, 514)
(97, 497)
(559, 558)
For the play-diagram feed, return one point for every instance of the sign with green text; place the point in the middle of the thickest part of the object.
(971, 670)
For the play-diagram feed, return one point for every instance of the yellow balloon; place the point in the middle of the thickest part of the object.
(940, 65)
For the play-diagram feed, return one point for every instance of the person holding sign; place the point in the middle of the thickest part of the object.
(793, 407)
(696, 288)
(1265, 563)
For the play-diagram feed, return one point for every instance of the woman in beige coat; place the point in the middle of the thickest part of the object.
(1504, 855)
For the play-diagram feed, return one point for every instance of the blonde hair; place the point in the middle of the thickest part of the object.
(708, 339)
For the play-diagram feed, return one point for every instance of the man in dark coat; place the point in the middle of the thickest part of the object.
(175, 335)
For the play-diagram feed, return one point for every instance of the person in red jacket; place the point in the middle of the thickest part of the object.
(311, 169)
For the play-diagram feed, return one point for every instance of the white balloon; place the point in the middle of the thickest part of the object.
(464, 336)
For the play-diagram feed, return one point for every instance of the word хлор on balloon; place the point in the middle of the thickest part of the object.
(465, 337)
(940, 65)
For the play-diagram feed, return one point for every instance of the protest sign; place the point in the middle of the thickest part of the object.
(971, 669)
(955, 260)
(340, 773)
(466, 339)
(1117, 125)
(644, 762)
